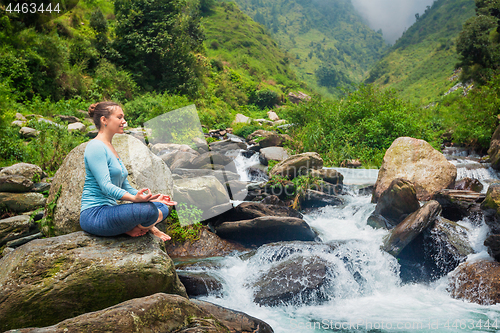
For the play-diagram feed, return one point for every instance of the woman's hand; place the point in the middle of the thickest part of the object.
(166, 200)
(145, 195)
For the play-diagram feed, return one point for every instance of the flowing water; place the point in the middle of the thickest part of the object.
(361, 289)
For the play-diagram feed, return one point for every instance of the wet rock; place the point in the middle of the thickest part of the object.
(458, 204)
(199, 284)
(418, 162)
(411, 227)
(208, 245)
(272, 154)
(22, 202)
(476, 282)
(394, 204)
(469, 184)
(295, 281)
(493, 244)
(26, 170)
(491, 207)
(15, 184)
(156, 313)
(16, 227)
(266, 229)
(297, 165)
(77, 273)
(248, 153)
(77, 127)
(316, 199)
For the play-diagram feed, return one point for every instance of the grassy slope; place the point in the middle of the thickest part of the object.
(302, 26)
(421, 61)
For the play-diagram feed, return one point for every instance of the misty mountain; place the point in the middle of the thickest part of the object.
(421, 61)
(332, 44)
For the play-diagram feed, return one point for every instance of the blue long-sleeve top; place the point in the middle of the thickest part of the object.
(106, 177)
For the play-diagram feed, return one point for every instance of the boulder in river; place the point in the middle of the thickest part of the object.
(272, 154)
(417, 161)
(491, 207)
(199, 283)
(469, 184)
(476, 282)
(395, 204)
(69, 275)
(297, 165)
(493, 245)
(458, 204)
(266, 229)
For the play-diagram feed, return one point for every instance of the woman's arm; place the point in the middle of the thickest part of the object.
(96, 159)
(141, 196)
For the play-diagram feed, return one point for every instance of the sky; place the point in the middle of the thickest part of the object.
(392, 16)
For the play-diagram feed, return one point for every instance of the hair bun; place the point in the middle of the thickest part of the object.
(92, 110)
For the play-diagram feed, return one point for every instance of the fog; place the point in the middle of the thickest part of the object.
(392, 16)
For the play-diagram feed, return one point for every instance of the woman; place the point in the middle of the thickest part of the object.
(106, 182)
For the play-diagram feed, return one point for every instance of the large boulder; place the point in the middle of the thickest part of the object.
(15, 183)
(395, 204)
(297, 165)
(22, 202)
(145, 169)
(491, 207)
(272, 154)
(493, 245)
(266, 229)
(207, 245)
(494, 150)
(156, 313)
(331, 176)
(477, 282)
(209, 158)
(77, 273)
(199, 283)
(178, 159)
(416, 161)
(411, 227)
(458, 204)
(226, 145)
(294, 281)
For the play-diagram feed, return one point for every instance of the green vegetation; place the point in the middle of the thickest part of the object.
(179, 232)
(47, 222)
(420, 63)
(331, 45)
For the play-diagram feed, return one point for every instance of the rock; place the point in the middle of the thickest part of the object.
(259, 134)
(328, 175)
(295, 281)
(494, 150)
(493, 244)
(221, 175)
(161, 148)
(491, 206)
(266, 229)
(182, 160)
(77, 273)
(416, 161)
(225, 145)
(251, 210)
(26, 170)
(15, 184)
(316, 199)
(476, 282)
(50, 122)
(274, 140)
(411, 227)
(237, 189)
(18, 123)
(16, 227)
(263, 121)
(78, 127)
(19, 116)
(156, 313)
(241, 119)
(41, 187)
(28, 132)
(23, 240)
(146, 170)
(208, 245)
(298, 97)
(469, 184)
(234, 320)
(272, 115)
(458, 204)
(297, 165)
(350, 163)
(210, 158)
(92, 134)
(68, 119)
(199, 284)
(203, 192)
(395, 204)
(272, 154)
(22, 202)
(281, 124)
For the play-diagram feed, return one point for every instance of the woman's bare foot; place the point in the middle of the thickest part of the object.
(136, 232)
(164, 237)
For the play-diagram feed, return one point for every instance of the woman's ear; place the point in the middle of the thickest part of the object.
(103, 121)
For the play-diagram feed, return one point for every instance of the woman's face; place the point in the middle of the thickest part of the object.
(116, 121)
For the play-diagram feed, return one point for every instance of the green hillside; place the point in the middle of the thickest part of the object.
(420, 63)
(332, 45)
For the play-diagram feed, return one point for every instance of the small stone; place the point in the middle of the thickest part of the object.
(78, 126)
(272, 115)
(69, 119)
(18, 123)
(28, 132)
(20, 117)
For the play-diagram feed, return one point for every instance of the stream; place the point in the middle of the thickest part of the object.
(361, 290)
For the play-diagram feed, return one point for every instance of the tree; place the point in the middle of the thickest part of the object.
(157, 41)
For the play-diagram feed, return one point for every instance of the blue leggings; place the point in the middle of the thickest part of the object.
(116, 220)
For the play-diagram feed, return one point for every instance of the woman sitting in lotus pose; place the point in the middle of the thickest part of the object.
(106, 182)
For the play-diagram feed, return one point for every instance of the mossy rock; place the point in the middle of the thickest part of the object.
(49, 280)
